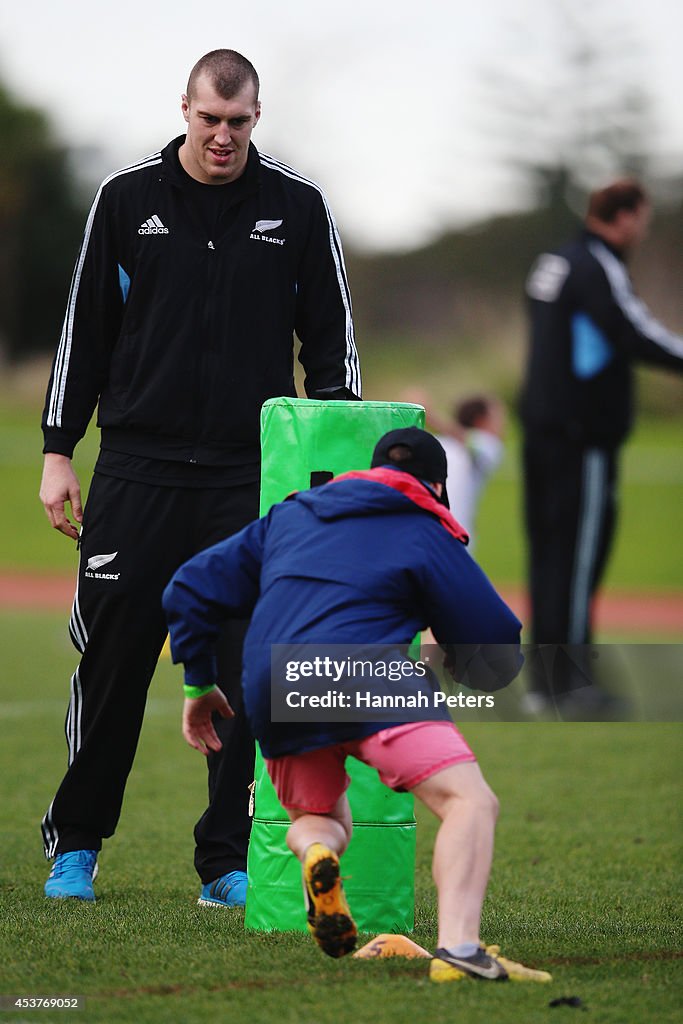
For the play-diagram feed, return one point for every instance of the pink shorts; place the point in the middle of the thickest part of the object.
(404, 756)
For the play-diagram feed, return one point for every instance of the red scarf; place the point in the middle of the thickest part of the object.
(413, 489)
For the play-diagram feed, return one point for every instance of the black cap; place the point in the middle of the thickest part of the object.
(427, 459)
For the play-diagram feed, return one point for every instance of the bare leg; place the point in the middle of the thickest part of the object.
(463, 850)
(318, 840)
(333, 830)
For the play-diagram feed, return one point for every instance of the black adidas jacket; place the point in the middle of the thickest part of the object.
(181, 337)
(587, 329)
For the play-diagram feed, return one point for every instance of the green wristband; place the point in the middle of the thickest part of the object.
(197, 691)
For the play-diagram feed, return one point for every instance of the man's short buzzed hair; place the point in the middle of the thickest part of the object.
(625, 194)
(228, 72)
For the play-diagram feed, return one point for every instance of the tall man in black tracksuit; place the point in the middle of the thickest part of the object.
(197, 266)
(587, 329)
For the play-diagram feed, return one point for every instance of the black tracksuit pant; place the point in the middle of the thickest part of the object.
(570, 513)
(134, 537)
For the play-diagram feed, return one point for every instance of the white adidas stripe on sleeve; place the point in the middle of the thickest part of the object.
(56, 403)
(633, 308)
(351, 360)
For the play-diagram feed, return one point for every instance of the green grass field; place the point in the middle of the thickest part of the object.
(587, 870)
(648, 551)
(585, 880)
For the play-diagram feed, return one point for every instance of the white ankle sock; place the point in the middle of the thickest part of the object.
(464, 949)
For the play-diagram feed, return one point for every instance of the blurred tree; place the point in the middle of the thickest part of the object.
(564, 109)
(41, 221)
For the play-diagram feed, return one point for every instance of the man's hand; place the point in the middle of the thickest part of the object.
(198, 729)
(59, 485)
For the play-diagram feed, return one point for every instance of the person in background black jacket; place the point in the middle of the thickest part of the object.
(197, 266)
(587, 329)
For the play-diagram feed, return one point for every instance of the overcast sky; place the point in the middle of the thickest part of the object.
(382, 103)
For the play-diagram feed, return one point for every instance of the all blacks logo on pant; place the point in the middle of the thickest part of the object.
(96, 562)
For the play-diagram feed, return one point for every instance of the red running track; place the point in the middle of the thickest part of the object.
(651, 612)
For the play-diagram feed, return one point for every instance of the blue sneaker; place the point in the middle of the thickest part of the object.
(72, 876)
(227, 891)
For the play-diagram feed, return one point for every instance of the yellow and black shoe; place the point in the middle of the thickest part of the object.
(329, 918)
(518, 972)
(481, 965)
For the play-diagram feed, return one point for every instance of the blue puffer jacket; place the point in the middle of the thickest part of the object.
(369, 558)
